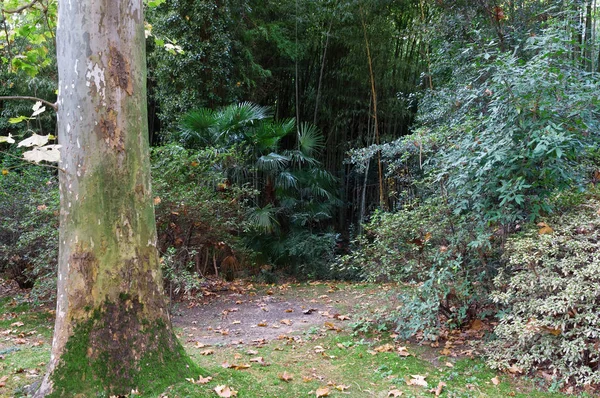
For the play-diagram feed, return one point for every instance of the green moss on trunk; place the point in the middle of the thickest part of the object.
(131, 354)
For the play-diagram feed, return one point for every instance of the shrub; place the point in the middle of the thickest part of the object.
(444, 257)
(199, 214)
(550, 291)
(29, 204)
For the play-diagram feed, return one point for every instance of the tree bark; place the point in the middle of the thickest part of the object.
(112, 332)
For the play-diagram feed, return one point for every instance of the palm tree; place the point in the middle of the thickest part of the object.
(295, 192)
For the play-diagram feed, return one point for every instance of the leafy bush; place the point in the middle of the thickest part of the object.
(29, 204)
(444, 258)
(199, 214)
(551, 298)
(295, 198)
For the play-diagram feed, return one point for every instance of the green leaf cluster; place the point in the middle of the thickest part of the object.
(549, 296)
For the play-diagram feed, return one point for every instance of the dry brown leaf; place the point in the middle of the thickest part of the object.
(476, 325)
(251, 352)
(200, 345)
(495, 381)
(262, 324)
(289, 310)
(322, 392)
(20, 341)
(445, 352)
(259, 360)
(207, 352)
(287, 322)
(403, 352)
(438, 390)
(225, 391)
(307, 379)
(343, 317)
(449, 364)
(16, 324)
(544, 228)
(235, 366)
(417, 380)
(394, 393)
(341, 387)
(330, 326)
(385, 348)
(285, 376)
(318, 349)
(515, 369)
(201, 380)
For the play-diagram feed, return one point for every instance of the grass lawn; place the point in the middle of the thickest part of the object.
(318, 359)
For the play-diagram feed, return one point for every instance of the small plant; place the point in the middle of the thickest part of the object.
(550, 294)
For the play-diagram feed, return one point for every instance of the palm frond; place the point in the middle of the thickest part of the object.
(263, 218)
(272, 162)
(237, 116)
(286, 180)
(197, 128)
(299, 159)
(310, 140)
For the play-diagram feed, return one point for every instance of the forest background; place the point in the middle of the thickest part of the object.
(451, 146)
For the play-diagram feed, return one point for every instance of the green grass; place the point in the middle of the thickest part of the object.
(314, 359)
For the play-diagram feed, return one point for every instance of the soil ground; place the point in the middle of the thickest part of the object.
(246, 314)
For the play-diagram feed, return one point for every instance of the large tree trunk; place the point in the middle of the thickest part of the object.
(112, 332)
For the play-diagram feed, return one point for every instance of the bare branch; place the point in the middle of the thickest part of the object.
(20, 97)
(20, 9)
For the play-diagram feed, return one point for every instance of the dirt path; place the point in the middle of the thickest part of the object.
(268, 313)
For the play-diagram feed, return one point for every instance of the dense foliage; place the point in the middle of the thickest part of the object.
(295, 197)
(29, 206)
(412, 138)
(550, 298)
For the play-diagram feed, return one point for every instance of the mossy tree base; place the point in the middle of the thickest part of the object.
(115, 352)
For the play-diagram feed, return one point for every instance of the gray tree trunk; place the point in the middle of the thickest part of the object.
(111, 316)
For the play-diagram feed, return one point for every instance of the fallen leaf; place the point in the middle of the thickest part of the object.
(207, 352)
(286, 322)
(16, 324)
(449, 364)
(251, 352)
(201, 380)
(476, 325)
(330, 326)
(341, 387)
(262, 324)
(403, 352)
(289, 310)
(445, 352)
(343, 317)
(225, 391)
(438, 390)
(496, 381)
(417, 380)
(385, 348)
(322, 392)
(285, 376)
(307, 379)
(318, 349)
(157, 201)
(394, 393)
(259, 360)
(234, 366)
(20, 341)
(515, 369)
(544, 228)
